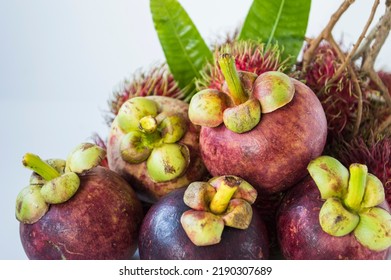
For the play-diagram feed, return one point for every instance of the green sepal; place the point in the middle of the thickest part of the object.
(60, 189)
(168, 162)
(374, 192)
(133, 110)
(133, 149)
(244, 117)
(374, 229)
(335, 219)
(330, 176)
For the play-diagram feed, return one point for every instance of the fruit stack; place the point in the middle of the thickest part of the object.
(239, 151)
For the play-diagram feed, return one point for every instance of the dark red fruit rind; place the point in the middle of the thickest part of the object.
(301, 237)
(163, 238)
(274, 155)
(101, 221)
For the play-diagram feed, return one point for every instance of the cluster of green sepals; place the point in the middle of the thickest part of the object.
(54, 181)
(222, 201)
(352, 202)
(247, 96)
(152, 136)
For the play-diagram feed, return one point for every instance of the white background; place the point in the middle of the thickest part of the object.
(60, 61)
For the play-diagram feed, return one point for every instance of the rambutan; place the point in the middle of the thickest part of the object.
(339, 98)
(249, 56)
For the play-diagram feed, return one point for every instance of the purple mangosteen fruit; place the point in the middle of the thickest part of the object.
(264, 129)
(76, 209)
(154, 146)
(206, 220)
(335, 213)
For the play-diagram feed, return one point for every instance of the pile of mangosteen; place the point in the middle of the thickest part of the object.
(238, 172)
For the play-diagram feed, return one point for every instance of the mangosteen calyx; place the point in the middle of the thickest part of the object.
(222, 201)
(352, 202)
(54, 181)
(152, 136)
(248, 95)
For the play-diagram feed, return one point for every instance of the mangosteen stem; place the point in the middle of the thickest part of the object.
(228, 68)
(221, 199)
(148, 124)
(356, 187)
(40, 167)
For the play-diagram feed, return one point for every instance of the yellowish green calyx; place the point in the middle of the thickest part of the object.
(246, 97)
(30, 205)
(222, 201)
(198, 195)
(243, 117)
(206, 108)
(202, 228)
(238, 214)
(167, 162)
(352, 202)
(84, 157)
(60, 189)
(274, 90)
(374, 229)
(152, 136)
(330, 176)
(335, 219)
(133, 149)
(133, 110)
(54, 181)
(172, 128)
(374, 192)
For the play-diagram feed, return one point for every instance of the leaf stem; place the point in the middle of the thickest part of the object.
(228, 68)
(40, 167)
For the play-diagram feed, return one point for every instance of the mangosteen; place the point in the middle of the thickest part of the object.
(264, 129)
(153, 145)
(206, 220)
(75, 209)
(335, 213)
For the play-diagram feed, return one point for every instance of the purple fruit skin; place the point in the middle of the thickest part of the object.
(274, 155)
(162, 236)
(101, 221)
(301, 237)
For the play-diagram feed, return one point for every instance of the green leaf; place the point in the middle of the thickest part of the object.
(281, 21)
(185, 50)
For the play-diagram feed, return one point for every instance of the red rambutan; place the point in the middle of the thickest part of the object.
(249, 56)
(156, 81)
(339, 98)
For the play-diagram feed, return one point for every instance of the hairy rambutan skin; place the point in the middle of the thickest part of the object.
(156, 81)
(338, 98)
(249, 56)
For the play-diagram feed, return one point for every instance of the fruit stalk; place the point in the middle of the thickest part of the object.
(228, 68)
(221, 199)
(356, 188)
(40, 167)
